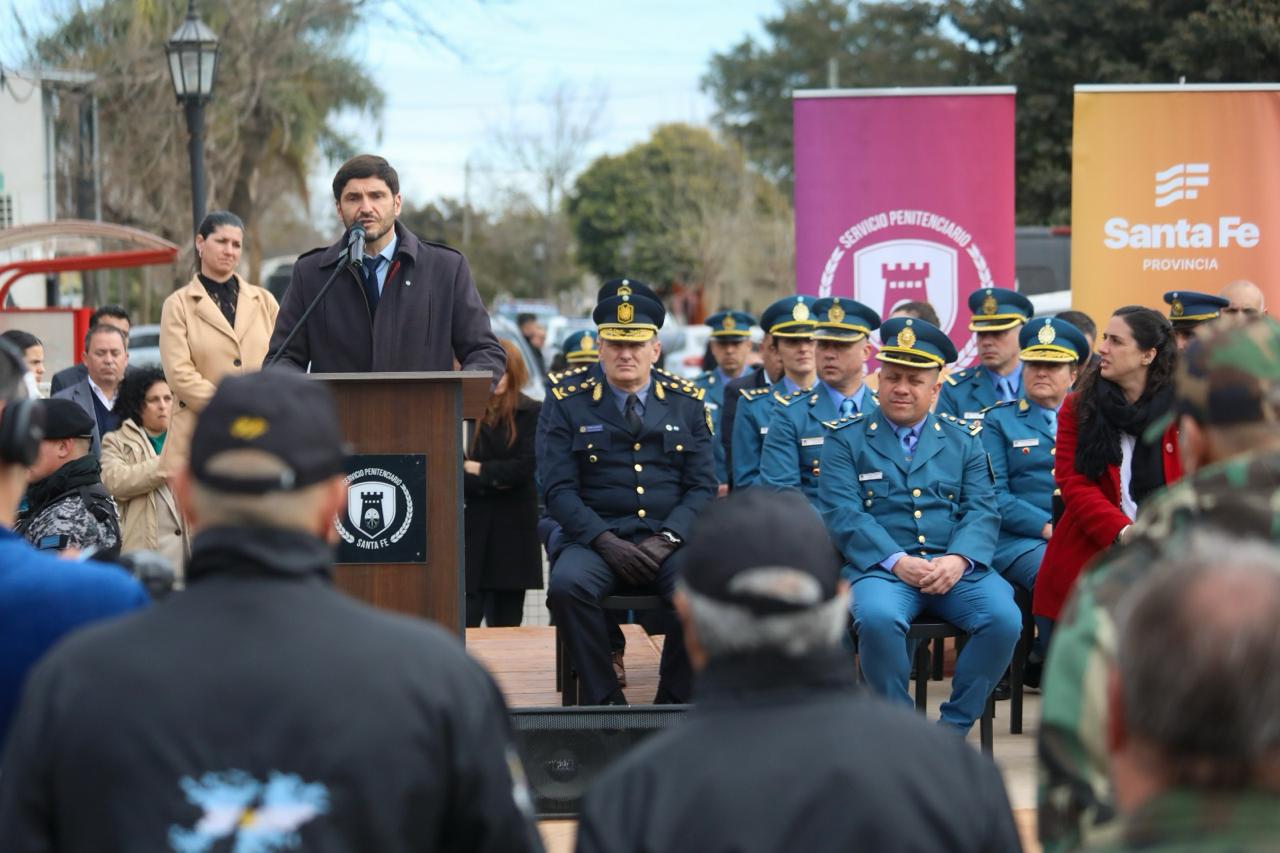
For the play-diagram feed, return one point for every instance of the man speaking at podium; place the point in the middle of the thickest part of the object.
(399, 304)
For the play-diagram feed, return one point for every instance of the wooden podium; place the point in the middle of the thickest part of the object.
(413, 420)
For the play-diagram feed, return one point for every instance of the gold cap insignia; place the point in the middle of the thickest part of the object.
(836, 314)
(800, 313)
(626, 312)
(1046, 335)
(247, 428)
(907, 337)
(729, 322)
(989, 305)
(1176, 309)
(624, 289)
(588, 342)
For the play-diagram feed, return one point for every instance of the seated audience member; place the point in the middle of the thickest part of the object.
(916, 310)
(1188, 311)
(32, 350)
(997, 316)
(1019, 437)
(908, 500)
(42, 597)
(625, 463)
(728, 348)
(782, 752)
(767, 371)
(149, 517)
(262, 709)
(789, 323)
(790, 457)
(1245, 301)
(1195, 749)
(1089, 329)
(1228, 412)
(67, 505)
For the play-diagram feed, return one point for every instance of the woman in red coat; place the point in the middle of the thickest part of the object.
(1104, 468)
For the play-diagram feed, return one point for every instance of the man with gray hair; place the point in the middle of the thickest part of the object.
(783, 752)
(1194, 736)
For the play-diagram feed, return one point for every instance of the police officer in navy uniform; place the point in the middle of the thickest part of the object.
(730, 343)
(907, 497)
(997, 315)
(626, 464)
(793, 447)
(789, 322)
(1019, 435)
(1188, 310)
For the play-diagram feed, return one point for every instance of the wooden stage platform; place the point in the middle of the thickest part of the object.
(522, 661)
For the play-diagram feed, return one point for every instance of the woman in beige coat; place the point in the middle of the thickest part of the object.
(216, 325)
(149, 517)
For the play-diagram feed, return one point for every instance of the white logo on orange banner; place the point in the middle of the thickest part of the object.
(1178, 182)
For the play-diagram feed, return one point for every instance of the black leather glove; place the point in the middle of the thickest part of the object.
(657, 547)
(627, 561)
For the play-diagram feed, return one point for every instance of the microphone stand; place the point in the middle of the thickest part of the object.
(344, 261)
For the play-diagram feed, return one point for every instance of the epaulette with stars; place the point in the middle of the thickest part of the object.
(754, 393)
(961, 376)
(557, 378)
(971, 427)
(842, 422)
(788, 399)
(677, 384)
(576, 387)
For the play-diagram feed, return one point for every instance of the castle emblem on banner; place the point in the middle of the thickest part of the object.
(888, 274)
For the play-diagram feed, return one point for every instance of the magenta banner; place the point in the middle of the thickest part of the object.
(905, 195)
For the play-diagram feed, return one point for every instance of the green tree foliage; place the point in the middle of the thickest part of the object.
(682, 207)
(284, 72)
(871, 44)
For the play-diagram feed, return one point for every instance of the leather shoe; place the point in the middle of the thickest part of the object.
(1032, 674)
(618, 669)
(665, 697)
(615, 698)
(1003, 690)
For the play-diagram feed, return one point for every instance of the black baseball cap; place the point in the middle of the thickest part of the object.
(759, 528)
(277, 412)
(65, 419)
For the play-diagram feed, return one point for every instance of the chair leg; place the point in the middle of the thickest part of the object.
(939, 653)
(568, 678)
(559, 662)
(986, 735)
(922, 677)
(1018, 668)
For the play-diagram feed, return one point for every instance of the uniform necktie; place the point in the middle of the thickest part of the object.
(908, 440)
(370, 276)
(1053, 421)
(1007, 389)
(632, 413)
(847, 408)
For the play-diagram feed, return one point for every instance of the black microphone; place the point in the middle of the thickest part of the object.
(355, 245)
(355, 257)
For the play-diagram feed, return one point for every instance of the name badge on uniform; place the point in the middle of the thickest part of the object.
(1026, 442)
(764, 430)
(811, 442)
(973, 416)
(711, 405)
(870, 475)
(591, 428)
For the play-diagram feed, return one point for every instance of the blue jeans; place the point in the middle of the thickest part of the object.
(982, 606)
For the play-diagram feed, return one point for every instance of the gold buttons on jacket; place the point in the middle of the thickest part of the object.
(867, 503)
(639, 467)
(635, 446)
(639, 490)
(593, 458)
(1053, 451)
(680, 448)
(920, 538)
(641, 513)
(918, 513)
(915, 493)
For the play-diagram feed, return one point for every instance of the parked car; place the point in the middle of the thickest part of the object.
(687, 361)
(144, 346)
(1042, 257)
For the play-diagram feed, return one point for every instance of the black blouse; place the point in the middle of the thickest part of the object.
(223, 294)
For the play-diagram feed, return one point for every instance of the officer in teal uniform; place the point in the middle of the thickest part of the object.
(1189, 310)
(581, 348)
(1019, 436)
(730, 343)
(789, 322)
(907, 497)
(626, 464)
(997, 315)
(793, 446)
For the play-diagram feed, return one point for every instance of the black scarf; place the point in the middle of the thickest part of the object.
(1099, 442)
(74, 475)
(223, 294)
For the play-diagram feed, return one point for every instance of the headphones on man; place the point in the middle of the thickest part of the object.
(21, 421)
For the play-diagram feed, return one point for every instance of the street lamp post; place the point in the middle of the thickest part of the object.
(193, 59)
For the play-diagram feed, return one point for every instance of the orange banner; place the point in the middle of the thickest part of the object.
(1173, 188)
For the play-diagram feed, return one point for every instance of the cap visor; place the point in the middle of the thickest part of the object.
(628, 333)
(996, 323)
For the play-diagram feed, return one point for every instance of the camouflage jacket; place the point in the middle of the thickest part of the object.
(72, 503)
(1240, 496)
(1182, 821)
